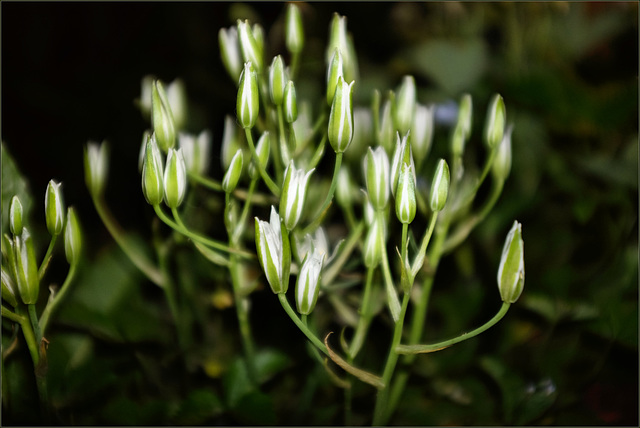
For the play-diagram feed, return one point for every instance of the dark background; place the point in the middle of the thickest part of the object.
(568, 74)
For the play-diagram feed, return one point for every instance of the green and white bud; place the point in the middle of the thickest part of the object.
(373, 244)
(338, 38)
(258, 35)
(458, 140)
(152, 173)
(196, 151)
(495, 122)
(262, 150)
(175, 179)
(308, 244)
(402, 154)
(294, 31)
(248, 103)
(501, 166)
(230, 141)
(406, 195)
(386, 133)
(334, 71)
(511, 269)
(439, 187)
(15, 215)
(422, 132)
(376, 171)
(405, 105)
(162, 118)
(231, 177)
(249, 46)
(177, 98)
(96, 164)
(72, 237)
(290, 103)
(465, 115)
(294, 190)
(54, 208)
(230, 51)
(274, 252)
(277, 80)
(307, 285)
(341, 117)
(344, 195)
(26, 268)
(8, 289)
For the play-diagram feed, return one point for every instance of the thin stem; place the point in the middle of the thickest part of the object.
(170, 293)
(206, 182)
(245, 211)
(312, 337)
(208, 242)
(276, 147)
(403, 249)
(273, 187)
(365, 318)
(33, 317)
(381, 414)
(47, 258)
(27, 332)
(145, 265)
(334, 181)
(411, 349)
(57, 298)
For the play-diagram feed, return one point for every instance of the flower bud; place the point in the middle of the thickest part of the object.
(258, 35)
(294, 34)
(495, 122)
(175, 179)
(338, 38)
(465, 115)
(249, 46)
(96, 162)
(163, 122)
(274, 252)
(502, 163)
(376, 170)
(230, 141)
(8, 289)
(406, 195)
(290, 104)
(405, 105)
(230, 51)
(511, 269)
(439, 187)
(72, 237)
(26, 269)
(230, 180)
(262, 150)
(15, 215)
(373, 244)
(402, 154)
(307, 285)
(196, 151)
(54, 208)
(341, 117)
(458, 140)
(152, 173)
(334, 71)
(386, 131)
(248, 103)
(294, 190)
(422, 132)
(277, 80)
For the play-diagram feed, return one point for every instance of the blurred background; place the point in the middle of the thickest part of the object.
(567, 353)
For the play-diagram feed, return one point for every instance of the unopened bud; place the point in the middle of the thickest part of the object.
(248, 103)
(54, 208)
(511, 269)
(405, 104)
(175, 179)
(406, 195)
(502, 163)
(294, 33)
(8, 289)
(196, 151)
(26, 269)
(373, 244)
(439, 187)
(15, 215)
(334, 71)
(274, 252)
(294, 190)
(495, 122)
(163, 122)
(376, 169)
(230, 51)
(249, 46)
(230, 180)
(72, 237)
(290, 103)
(96, 163)
(262, 150)
(308, 283)
(401, 155)
(465, 115)
(422, 132)
(341, 117)
(152, 173)
(277, 80)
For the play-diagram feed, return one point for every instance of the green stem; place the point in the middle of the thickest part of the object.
(281, 144)
(403, 249)
(59, 297)
(206, 182)
(138, 259)
(273, 187)
(334, 181)
(33, 317)
(365, 318)
(381, 415)
(412, 349)
(170, 294)
(245, 212)
(47, 258)
(198, 238)
(312, 337)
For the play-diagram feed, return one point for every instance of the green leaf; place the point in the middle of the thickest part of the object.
(270, 362)
(236, 383)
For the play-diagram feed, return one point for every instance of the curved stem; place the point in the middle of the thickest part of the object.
(138, 259)
(263, 173)
(245, 212)
(47, 258)
(334, 181)
(312, 337)
(59, 296)
(417, 349)
(206, 182)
